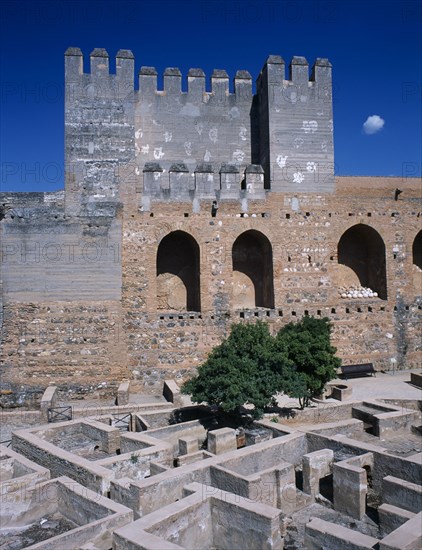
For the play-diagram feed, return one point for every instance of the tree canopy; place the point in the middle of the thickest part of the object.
(309, 349)
(251, 366)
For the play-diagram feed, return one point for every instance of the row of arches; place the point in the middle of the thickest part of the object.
(361, 250)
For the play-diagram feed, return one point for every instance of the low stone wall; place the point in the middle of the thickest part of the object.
(324, 534)
(137, 464)
(108, 437)
(148, 495)
(202, 520)
(401, 493)
(174, 432)
(406, 537)
(416, 379)
(192, 457)
(350, 485)
(151, 420)
(61, 462)
(318, 413)
(123, 393)
(48, 400)
(349, 428)
(17, 473)
(171, 392)
(17, 419)
(384, 463)
(153, 493)
(391, 518)
(94, 515)
(89, 411)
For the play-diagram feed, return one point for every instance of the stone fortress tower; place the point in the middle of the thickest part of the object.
(184, 212)
(197, 145)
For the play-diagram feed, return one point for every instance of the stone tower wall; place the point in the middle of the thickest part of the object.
(96, 281)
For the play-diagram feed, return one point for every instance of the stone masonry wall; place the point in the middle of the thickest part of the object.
(86, 344)
(219, 199)
(304, 231)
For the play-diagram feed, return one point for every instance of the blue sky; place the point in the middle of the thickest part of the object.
(374, 46)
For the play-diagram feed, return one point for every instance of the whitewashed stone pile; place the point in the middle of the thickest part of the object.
(357, 292)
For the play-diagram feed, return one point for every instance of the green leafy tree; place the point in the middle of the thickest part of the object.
(307, 345)
(251, 366)
(246, 368)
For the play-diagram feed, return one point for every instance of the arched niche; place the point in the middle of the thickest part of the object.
(362, 249)
(178, 273)
(417, 250)
(252, 259)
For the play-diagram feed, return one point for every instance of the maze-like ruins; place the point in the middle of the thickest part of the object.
(158, 475)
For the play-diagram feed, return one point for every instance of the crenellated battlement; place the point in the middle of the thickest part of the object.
(296, 115)
(207, 181)
(274, 71)
(99, 64)
(298, 72)
(285, 128)
(172, 76)
(196, 83)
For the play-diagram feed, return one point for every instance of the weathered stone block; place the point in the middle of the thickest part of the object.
(48, 400)
(341, 392)
(315, 466)
(222, 441)
(123, 393)
(188, 445)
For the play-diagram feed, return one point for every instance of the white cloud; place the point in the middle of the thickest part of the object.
(373, 124)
